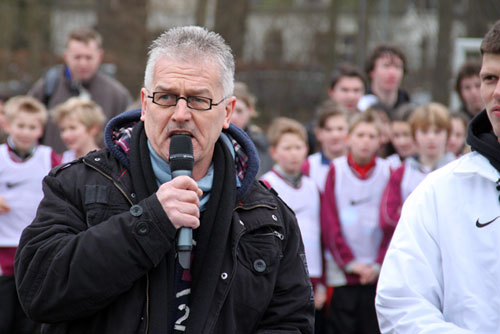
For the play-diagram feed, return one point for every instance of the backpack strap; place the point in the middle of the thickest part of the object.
(50, 81)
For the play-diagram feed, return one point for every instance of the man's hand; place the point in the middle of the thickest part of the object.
(180, 198)
(4, 208)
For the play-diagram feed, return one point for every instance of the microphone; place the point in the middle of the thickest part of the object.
(181, 162)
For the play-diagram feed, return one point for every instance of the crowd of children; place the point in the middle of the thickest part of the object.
(23, 164)
(358, 187)
(347, 196)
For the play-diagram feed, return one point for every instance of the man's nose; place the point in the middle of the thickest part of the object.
(181, 112)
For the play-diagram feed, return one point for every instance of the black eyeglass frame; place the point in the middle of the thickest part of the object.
(179, 97)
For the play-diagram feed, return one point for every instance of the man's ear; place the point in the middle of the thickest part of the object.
(101, 55)
(229, 111)
(144, 96)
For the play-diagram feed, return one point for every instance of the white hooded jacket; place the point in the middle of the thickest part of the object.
(441, 273)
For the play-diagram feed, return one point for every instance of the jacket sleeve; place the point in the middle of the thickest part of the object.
(66, 268)
(331, 232)
(291, 309)
(390, 210)
(410, 286)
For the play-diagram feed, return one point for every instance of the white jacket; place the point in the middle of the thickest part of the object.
(441, 273)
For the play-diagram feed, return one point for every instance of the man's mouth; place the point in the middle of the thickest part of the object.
(180, 132)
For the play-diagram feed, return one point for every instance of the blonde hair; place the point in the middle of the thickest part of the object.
(283, 125)
(84, 111)
(367, 116)
(85, 35)
(24, 103)
(329, 109)
(432, 113)
(243, 94)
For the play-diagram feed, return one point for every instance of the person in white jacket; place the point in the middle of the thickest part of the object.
(441, 273)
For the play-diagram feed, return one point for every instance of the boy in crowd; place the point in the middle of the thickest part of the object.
(401, 137)
(347, 86)
(467, 87)
(80, 123)
(244, 111)
(331, 132)
(456, 142)
(288, 140)
(385, 69)
(382, 114)
(350, 226)
(23, 164)
(430, 127)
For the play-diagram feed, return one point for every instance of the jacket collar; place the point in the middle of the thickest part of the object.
(118, 132)
(475, 163)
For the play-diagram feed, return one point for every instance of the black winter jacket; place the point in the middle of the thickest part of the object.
(99, 256)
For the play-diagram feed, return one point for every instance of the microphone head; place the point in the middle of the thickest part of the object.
(181, 153)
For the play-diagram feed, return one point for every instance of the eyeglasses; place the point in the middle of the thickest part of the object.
(193, 102)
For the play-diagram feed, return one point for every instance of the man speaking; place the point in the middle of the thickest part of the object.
(101, 255)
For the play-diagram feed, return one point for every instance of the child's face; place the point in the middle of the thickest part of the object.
(457, 136)
(74, 134)
(387, 72)
(241, 114)
(364, 141)
(290, 153)
(25, 130)
(431, 142)
(333, 137)
(402, 139)
(470, 91)
(347, 92)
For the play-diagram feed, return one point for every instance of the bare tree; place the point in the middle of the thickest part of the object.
(24, 40)
(123, 26)
(333, 13)
(230, 22)
(201, 12)
(440, 86)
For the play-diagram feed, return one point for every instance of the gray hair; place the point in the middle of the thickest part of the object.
(189, 44)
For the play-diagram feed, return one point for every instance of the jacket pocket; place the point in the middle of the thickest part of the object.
(260, 251)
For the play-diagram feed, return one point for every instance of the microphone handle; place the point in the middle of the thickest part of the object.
(181, 172)
(185, 247)
(185, 237)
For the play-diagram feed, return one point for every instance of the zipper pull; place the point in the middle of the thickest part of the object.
(279, 235)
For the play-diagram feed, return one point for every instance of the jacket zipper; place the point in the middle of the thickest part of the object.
(112, 180)
(255, 206)
(233, 273)
(276, 234)
(120, 189)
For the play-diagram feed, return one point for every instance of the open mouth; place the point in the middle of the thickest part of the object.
(174, 133)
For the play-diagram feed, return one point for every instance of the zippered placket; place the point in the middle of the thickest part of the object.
(233, 273)
(112, 180)
(120, 189)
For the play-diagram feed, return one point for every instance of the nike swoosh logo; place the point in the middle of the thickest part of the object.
(478, 224)
(359, 201)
